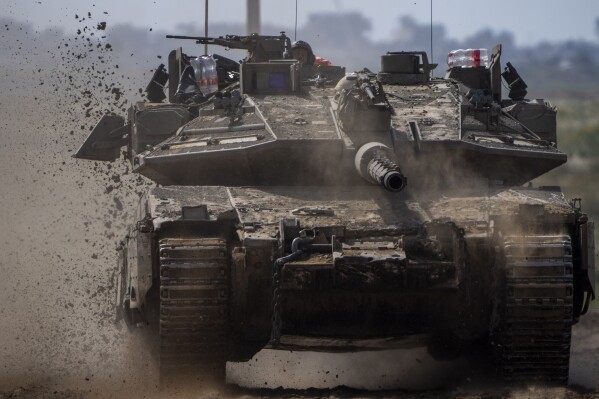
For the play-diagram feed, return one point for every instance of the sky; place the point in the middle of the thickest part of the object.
(530, 21)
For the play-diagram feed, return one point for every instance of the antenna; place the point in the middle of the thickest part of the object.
(295, 33)
(206, 26)
(253, 16)
(432, 32)
(432, 59)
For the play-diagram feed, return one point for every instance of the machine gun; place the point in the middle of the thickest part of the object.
(363, 104)
(369, 88)
(260, 48)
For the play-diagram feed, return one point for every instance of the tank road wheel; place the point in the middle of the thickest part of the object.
(536, 312)
(194, 295)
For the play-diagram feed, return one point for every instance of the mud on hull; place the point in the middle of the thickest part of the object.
(233, 278)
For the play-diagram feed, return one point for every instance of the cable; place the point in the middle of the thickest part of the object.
(432, 59)
(295, 33)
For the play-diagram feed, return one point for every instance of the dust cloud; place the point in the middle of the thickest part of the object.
(406, 369)
(62, 219)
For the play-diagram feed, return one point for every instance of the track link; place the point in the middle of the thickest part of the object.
(194, 324)
(538, 303)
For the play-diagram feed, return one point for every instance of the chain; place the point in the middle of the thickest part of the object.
(275, 335)
(277, 270)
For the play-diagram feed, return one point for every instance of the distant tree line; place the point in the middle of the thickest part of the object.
(564, 68)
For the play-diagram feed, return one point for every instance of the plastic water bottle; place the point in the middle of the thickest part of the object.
(468, 58)
(455, 58)
(209, 76)
(204, 68)
(477, 57)
(198, 66)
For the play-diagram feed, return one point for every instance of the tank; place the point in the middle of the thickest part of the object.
(301, 207)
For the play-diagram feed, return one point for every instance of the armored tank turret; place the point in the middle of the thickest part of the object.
(300, 207)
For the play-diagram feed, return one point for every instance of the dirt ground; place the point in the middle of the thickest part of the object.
(61, 219)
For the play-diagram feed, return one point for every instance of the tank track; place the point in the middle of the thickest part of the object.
(194, 324)
(537, 316)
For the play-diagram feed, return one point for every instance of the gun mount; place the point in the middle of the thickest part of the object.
(260, 48)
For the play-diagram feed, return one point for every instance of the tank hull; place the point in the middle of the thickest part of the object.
(379, 265)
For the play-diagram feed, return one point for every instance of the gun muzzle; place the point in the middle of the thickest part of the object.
(374, 163)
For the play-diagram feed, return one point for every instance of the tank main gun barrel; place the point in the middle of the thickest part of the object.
(386, 173)
(374, 163)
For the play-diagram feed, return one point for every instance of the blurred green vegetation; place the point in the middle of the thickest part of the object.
(578, 136)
